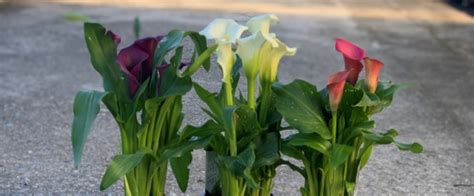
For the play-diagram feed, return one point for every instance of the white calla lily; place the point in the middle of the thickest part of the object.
(262, 24)
(270, 58)
(249, 50)
(249, 47)
(226, 59)
(225, 32)
(261, 52)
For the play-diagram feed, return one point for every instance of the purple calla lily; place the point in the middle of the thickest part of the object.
(117, 39)
(136, 61)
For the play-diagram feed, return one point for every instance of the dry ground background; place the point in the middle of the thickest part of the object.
(43, 62)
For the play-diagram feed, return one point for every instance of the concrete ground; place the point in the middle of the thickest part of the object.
(44, 62)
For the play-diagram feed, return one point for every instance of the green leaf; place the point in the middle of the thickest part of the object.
(120, 166)
(152, 105)
(136, 27)
(350, 186)
(235, 79)
(207, 129)
(210, 100)
(385, 92)
(86, 108)
(339, 153)
(201, 60)
(413, 147)
(137, 102)
(368, 101)
(246, 120)
(200, 45)
(172, 85)
(298, 103)
(242, 164)
(179, 149)
(180, 166)
(168, 43)
(310, 140)
(389, 137)
(249, 179)
(357, 129)
(228, 121)
(291, 151)
(377, 138)
(236, 72)
(366, 153)
(110, 101)
(204, 53)
(76, 17)
(103, 52)
(267, 151)
(350, 98)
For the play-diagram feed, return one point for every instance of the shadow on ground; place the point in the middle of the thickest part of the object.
(459, 5)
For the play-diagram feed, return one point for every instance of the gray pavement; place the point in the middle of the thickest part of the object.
(44, 62)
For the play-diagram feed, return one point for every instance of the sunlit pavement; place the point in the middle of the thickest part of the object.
(43, 62)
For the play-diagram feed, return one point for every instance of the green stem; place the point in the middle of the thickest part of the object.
(311, 185)
(229, 182)
(126, 187)
(233, 142)
(228, 93)
(323, 180)
(267, 186)
(251, 93)
(331, 171)
(159, 180)
(334, 127)
(265, 101)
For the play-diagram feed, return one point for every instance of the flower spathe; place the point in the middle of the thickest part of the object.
(249, 47)
(249, 50)
(270, 59)
(335, 88)
(353, 56)
(117, 39)
(262, 23)
(225, 32)
(372, 71)
(136, 62)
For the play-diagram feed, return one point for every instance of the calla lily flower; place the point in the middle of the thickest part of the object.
(136, 62)
(117, 39)
(372, 71)
(249, 47)
(249, 50)
(225, 32)
(270, 59)
(262, 24)
(335, 88)
(352, 56)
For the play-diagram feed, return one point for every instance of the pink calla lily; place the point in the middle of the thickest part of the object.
(353, 56)
(372, 71)
(335, 88)
(136, 62)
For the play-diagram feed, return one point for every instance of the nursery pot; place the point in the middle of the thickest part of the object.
(212, 174)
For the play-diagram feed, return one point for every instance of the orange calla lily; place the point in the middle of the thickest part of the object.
(372, 71)
(335, 88)
(352, 56)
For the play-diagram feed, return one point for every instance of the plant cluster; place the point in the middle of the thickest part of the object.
(332, 129)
